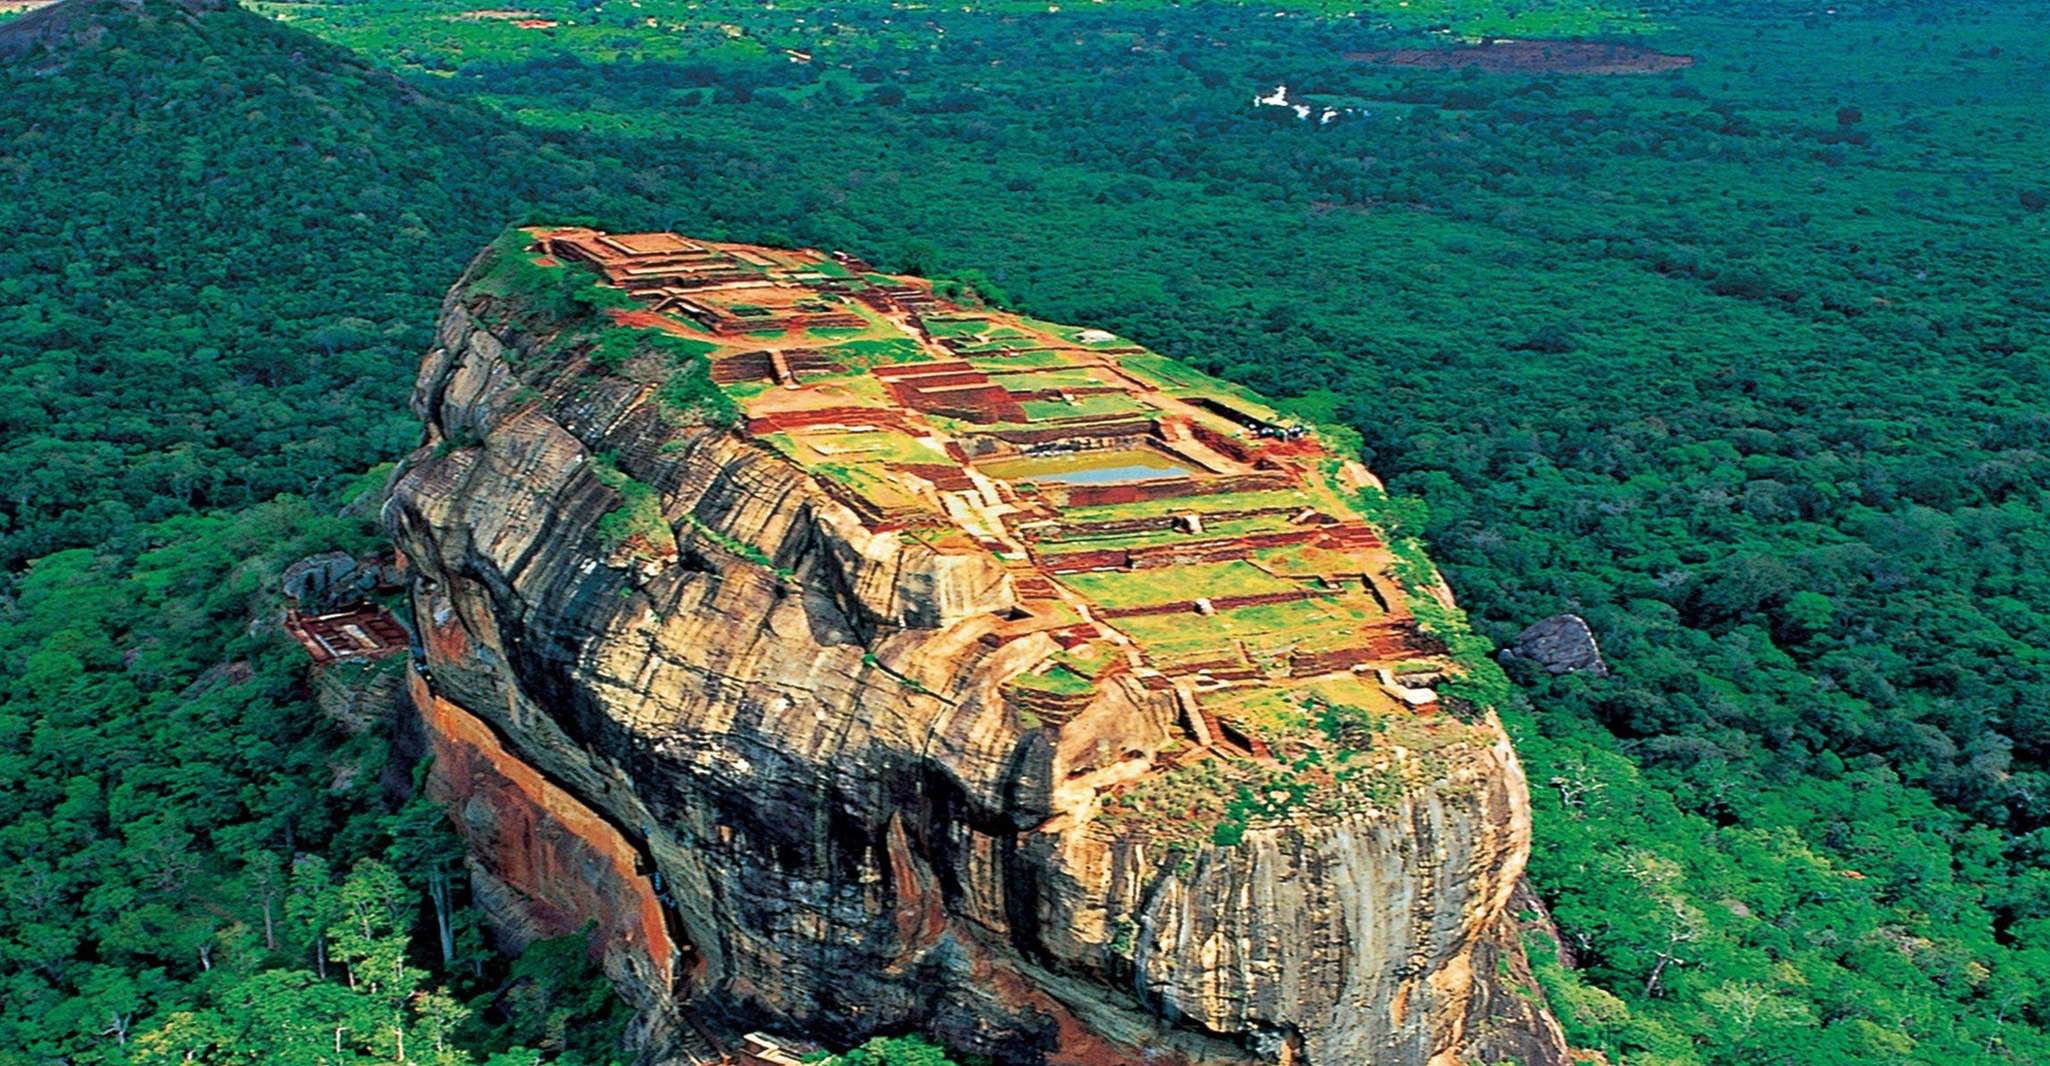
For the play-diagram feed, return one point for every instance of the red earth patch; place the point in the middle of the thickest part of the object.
(651, 320)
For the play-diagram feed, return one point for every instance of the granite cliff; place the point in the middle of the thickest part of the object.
(860, 662)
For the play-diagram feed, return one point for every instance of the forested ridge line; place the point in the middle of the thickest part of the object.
(227, 244)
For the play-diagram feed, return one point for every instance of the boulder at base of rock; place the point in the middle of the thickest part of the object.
(322, 582)
(1562, 644)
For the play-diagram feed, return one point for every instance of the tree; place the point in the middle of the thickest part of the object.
(894, 1051)
(429, 857)
(264, 874)
(314, 905)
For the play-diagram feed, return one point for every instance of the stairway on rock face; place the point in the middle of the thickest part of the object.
(1349, 535)
(1030, 582)
(695, 1047)
(1215, 730)
(1032, 585)
(1192, 715)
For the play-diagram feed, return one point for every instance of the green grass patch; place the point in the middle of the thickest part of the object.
(737, 546)
(1207, 504)
(565, 293)
(1182, 379)
(993, 363)
(870, 352)
(1147, 538)
(1075, 378)
(1059, 681)
(878, 446)
(639, 514)
(1267, 629)
(1086, 406)
(690, 394)
(1167, 584)
(944, 328)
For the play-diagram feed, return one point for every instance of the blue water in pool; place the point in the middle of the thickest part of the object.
(1112, 475)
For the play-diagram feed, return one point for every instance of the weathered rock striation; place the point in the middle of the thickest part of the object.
(789, 749)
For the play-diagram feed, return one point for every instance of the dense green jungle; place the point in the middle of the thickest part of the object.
(1737, 345)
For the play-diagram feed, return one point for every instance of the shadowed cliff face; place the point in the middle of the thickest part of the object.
(543, 862)
(854, 832)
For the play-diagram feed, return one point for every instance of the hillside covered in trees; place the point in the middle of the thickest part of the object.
(1744, 360)
(228, 243)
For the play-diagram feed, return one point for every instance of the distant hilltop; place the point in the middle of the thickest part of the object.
(51, 25)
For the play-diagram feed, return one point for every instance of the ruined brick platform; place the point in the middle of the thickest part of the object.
(363, 632)
(1119, 487)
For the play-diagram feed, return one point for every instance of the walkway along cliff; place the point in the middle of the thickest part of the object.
(861, 662)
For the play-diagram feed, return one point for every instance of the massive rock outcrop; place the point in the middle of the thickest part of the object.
(780, 751)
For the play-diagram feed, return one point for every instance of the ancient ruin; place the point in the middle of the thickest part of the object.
(1087, 467)
(330, 612)
(938, 667)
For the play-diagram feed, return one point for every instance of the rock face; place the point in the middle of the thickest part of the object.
(1562, 644)
(543, 862)
(786, 743)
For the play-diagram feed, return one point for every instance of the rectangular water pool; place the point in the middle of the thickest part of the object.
(1090, 468)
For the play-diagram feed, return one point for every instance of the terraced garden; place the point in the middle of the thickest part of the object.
(1169, 532)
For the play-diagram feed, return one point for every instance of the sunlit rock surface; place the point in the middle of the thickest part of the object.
(808, 767)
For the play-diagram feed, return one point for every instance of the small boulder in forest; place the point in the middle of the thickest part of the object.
(1562, 644)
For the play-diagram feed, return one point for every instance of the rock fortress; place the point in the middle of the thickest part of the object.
(854, 658)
